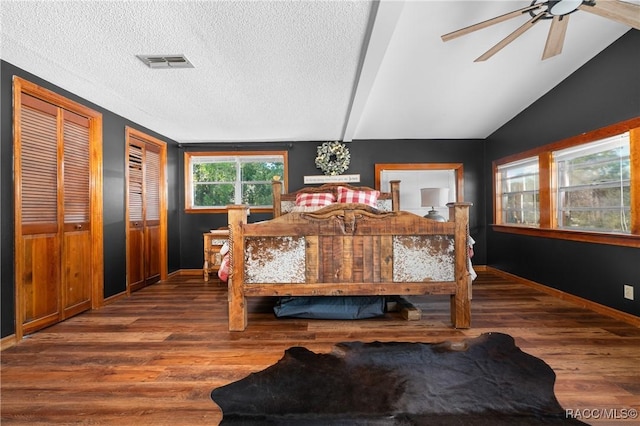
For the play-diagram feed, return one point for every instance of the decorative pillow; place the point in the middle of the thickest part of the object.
(346, 195)
(318, 199)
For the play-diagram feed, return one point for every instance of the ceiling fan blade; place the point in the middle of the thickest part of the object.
(555, 39)
(508, 39)
(619, 11)
(489, 22)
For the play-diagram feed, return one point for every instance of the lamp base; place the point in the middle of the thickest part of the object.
(433, 215)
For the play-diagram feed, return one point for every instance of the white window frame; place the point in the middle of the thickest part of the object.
(509, 176)
(620, 143)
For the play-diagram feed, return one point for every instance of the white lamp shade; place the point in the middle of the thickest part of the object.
(434, 197)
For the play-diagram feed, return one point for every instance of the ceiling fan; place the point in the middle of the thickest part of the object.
(558, 11)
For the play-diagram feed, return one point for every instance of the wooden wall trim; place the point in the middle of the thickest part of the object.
(96, 164)
(623, 240)
(8, 342)
(188, 272)
(115, 297)
(583, 303)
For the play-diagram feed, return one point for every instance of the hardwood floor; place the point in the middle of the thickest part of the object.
(154, 357)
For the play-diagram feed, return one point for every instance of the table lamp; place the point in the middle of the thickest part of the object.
(434, 197)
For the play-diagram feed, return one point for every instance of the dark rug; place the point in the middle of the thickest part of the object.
(487, 380)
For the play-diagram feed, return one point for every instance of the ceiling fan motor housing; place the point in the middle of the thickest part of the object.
(562, 7)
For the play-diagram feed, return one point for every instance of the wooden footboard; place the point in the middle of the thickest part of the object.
(349, 249)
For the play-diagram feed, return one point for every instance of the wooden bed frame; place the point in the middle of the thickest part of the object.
(348, 250)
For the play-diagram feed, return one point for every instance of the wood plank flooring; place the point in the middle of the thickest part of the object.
(153, 358)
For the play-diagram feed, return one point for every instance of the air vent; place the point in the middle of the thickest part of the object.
(165, 61)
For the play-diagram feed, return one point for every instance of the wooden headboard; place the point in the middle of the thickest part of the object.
(283, 203)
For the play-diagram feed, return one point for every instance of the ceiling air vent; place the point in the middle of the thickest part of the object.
(165, 61)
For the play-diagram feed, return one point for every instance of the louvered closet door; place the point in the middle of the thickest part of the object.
(135, 240)
(39, 247)
(76, 277)
(144, 243)
(152, 213)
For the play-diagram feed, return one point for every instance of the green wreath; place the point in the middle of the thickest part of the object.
(333, 158)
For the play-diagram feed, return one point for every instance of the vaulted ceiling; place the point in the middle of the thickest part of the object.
(297, 70)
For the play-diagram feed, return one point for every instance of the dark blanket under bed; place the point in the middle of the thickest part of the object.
(330, 307)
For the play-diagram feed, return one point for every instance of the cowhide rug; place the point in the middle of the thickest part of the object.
(483, 381)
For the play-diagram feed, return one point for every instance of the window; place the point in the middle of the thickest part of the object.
(518, 186)
(215, 180)
(583, 188)
(593, 182)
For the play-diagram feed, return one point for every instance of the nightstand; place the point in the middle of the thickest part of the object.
(213, 242)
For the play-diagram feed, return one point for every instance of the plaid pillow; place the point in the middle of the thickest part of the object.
(346, 195)
(318, 199)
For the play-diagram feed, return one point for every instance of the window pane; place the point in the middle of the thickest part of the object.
(598, 197)
(214, 172)
(213, 194)
(597, 220)
(521, 208)
(594, 185)
(519, 188)
(257, 194)
(256, 181)
(261, 171)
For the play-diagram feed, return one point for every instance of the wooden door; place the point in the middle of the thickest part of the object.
(76, 259)
(152, 251)
(58, 252)
(146, 246)
(37, 216)
(135, 237)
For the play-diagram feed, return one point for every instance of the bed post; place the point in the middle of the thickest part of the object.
(276, 187)
(237, 303)
(395, 195)
(460, 302)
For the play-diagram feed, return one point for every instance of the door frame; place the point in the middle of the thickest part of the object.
(130, 131)
(20, 86)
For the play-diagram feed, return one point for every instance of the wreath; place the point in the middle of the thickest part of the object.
(333, 158)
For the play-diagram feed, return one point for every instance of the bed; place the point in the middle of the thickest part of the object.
(347, 249)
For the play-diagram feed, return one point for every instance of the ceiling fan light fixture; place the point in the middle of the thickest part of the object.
(563, 7)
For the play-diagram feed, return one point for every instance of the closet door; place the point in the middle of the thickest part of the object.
(38, 217)
(152, 253)
(76, 260)
(135, 237)
(145, 209)
(58, 207)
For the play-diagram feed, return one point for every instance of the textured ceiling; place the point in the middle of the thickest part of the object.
(297, 70)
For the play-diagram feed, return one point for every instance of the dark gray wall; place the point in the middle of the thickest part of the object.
(364, 155)
(114, 194)
(606, 90)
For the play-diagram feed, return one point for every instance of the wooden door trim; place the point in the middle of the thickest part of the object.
(162, 146)
(20, 86)
(96, 165)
